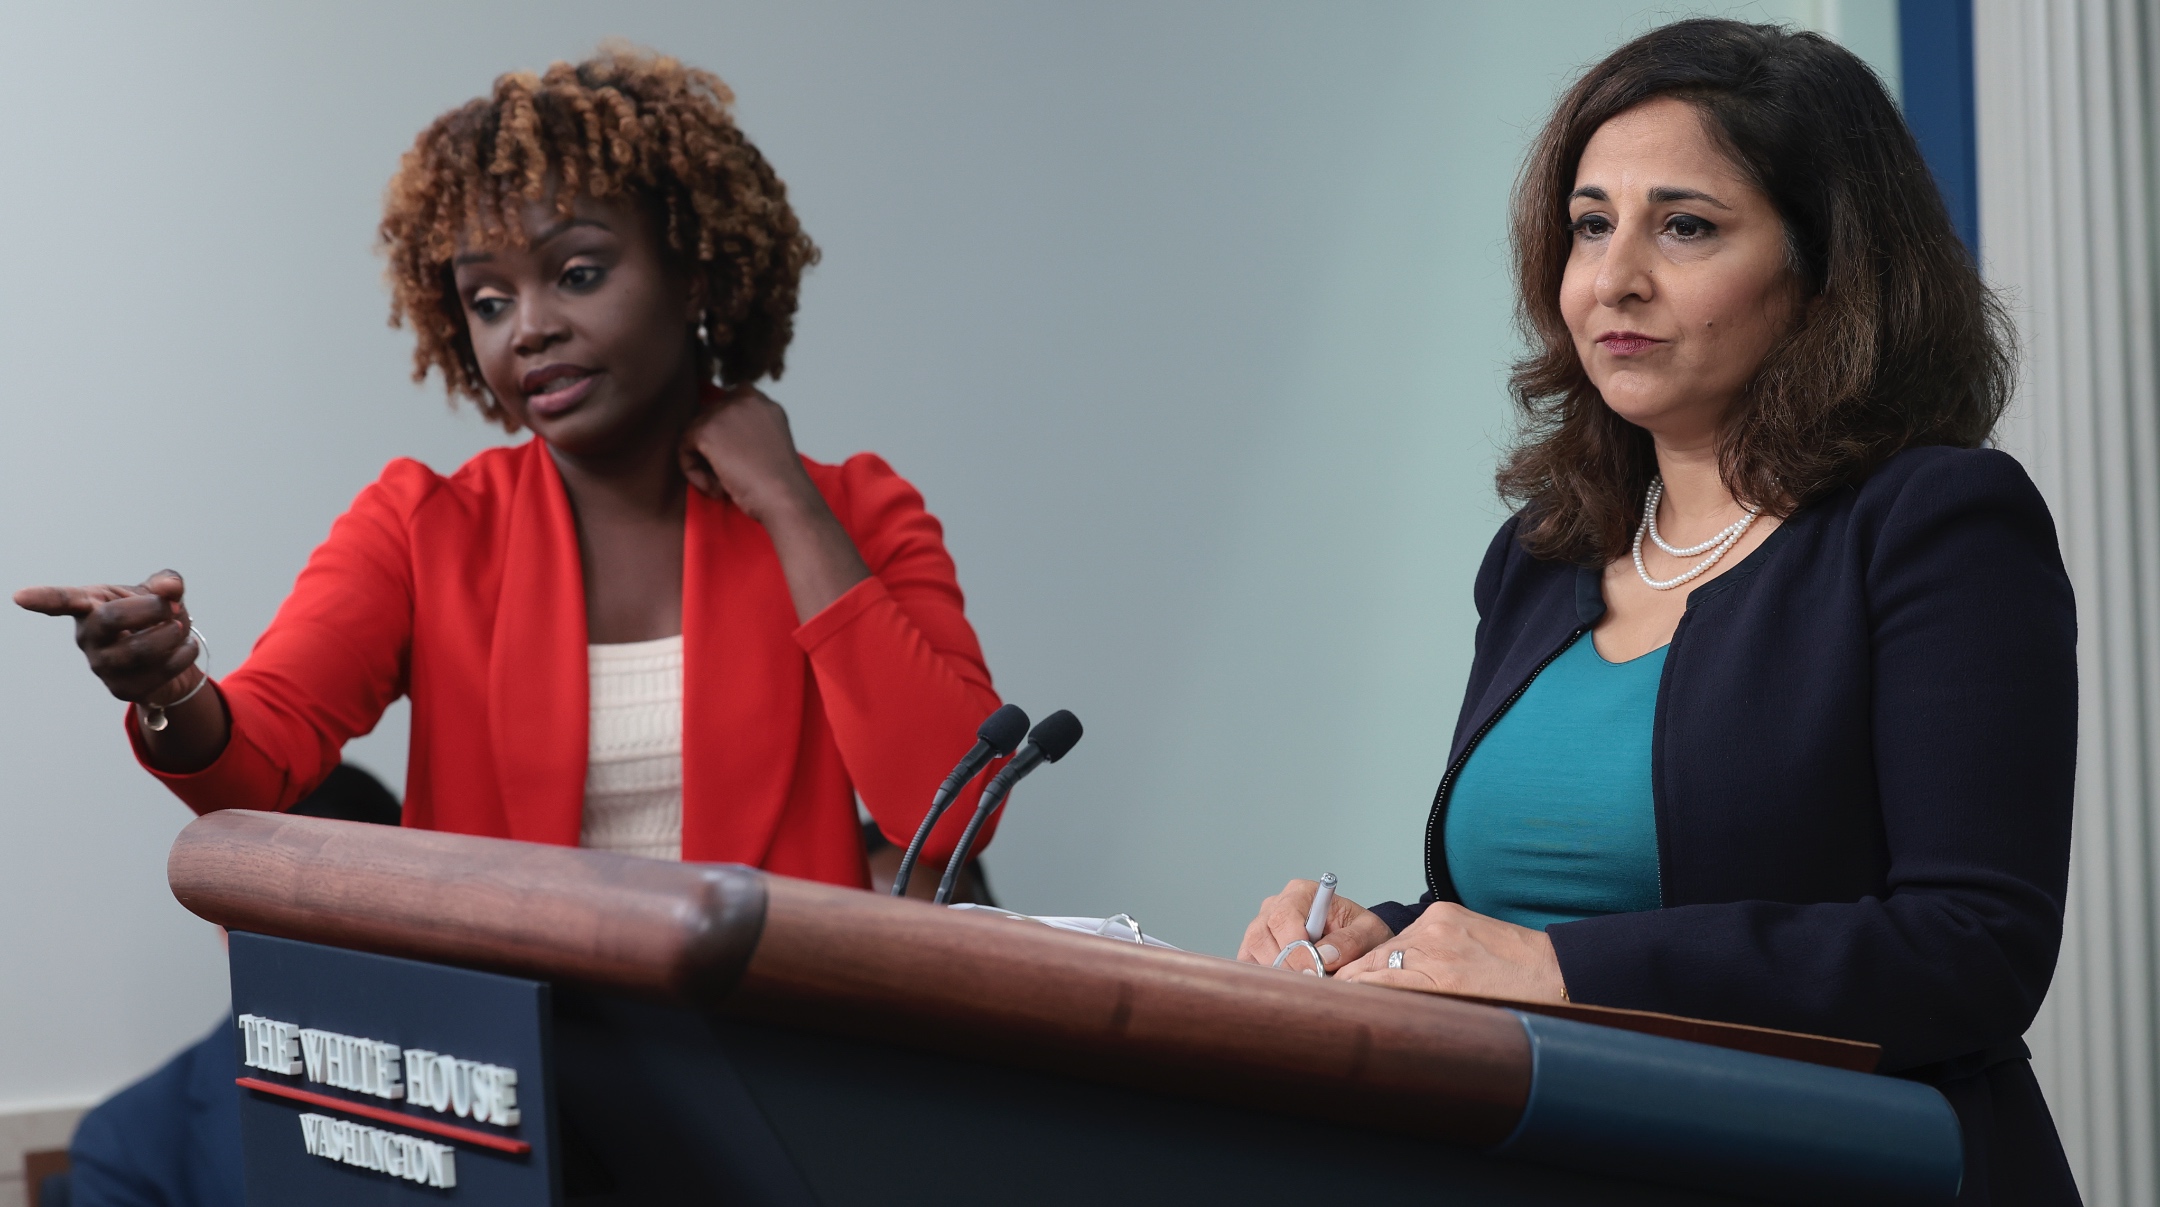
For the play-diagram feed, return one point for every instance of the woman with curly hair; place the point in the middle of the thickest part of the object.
(654, 627)
(1773, 711)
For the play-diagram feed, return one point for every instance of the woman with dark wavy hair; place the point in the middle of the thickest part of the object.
(1772, 717)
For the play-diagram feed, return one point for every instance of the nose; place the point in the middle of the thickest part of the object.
(1625, 273)
(537, 325)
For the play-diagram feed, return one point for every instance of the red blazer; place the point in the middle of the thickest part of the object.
(466, 594)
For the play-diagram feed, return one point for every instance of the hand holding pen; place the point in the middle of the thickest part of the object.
(1345, 929)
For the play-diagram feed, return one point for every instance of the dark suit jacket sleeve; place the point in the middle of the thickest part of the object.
(1975, 704)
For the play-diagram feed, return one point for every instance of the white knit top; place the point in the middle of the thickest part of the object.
(633, 769)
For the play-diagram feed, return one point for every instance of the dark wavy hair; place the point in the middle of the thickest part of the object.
(625, 123)
(1900, 343)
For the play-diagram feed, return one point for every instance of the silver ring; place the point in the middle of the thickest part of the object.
(1394, 959)
(1319, 965)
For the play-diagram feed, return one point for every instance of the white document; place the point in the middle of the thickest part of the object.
(1119, 927)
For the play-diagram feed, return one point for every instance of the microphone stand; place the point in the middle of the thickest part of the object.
(993, 796)
(998, 734)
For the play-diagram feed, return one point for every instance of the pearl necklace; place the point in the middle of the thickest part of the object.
(1717, 546)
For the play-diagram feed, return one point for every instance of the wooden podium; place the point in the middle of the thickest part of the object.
(633, 1031)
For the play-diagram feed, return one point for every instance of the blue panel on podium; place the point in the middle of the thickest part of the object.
(377, 1081)
(1620, 1103)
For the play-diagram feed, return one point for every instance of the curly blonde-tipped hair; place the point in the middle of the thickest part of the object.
(627, 124)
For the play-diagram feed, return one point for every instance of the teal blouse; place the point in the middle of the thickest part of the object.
(1552, 819)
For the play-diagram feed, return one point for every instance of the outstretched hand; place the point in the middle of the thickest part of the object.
(137, 638)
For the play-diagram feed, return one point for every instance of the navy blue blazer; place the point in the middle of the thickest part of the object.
(1864, 747)
(171, 1139)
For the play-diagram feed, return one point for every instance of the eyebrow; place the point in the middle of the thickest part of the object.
(1668, 193)
(481, 257)
(1658, 196)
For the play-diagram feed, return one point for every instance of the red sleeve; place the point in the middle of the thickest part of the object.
(332, 660)
(897, 664)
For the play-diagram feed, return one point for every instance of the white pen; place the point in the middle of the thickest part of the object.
(1316, 921)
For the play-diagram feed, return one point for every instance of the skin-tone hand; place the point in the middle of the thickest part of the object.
(740, 448)
(1351, 929)
(1452, 950)
(136, 640)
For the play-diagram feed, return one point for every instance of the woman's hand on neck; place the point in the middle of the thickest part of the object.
(741, 448)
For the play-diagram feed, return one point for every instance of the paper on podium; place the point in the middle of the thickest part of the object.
(1120, 927)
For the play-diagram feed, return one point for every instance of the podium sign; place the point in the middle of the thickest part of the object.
(368, 1080)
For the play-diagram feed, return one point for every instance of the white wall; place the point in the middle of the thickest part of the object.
(1190, 321)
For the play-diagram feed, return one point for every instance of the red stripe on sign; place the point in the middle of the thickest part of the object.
(362, 1109)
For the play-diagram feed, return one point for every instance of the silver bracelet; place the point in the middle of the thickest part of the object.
(153, 715)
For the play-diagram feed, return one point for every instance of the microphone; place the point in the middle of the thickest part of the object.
(1046, 743)
(994, 738)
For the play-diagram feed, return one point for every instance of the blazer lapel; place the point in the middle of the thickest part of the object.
(537, 679)
(1567, 600)
(744, 684)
